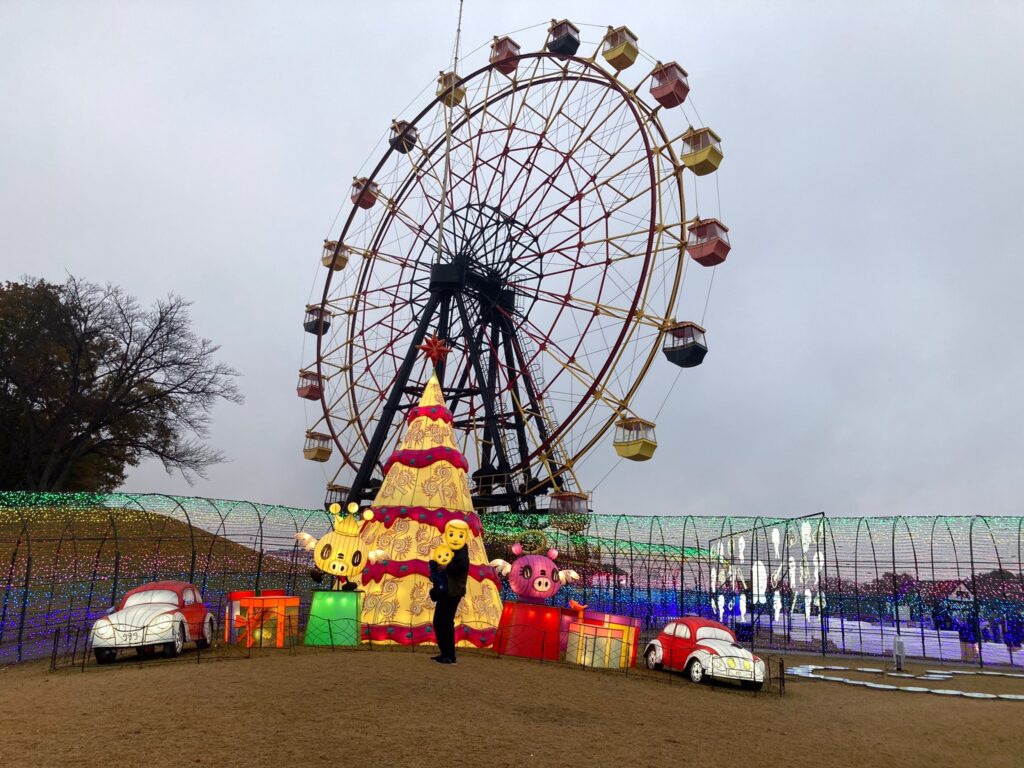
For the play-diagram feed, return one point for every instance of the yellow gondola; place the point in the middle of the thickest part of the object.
(318, 447)
(328, 259)
(620, 48)
(447, 90)
(634, 439)
(702, 151)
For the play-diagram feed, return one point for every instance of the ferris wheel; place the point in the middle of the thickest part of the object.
(532, 216)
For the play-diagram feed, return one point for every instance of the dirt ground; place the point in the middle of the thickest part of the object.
(389, 708)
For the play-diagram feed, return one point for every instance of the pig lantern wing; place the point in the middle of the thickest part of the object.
(567, 576)
(501, 566)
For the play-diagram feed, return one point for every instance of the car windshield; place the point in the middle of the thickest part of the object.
(152, 596)
(714, 633)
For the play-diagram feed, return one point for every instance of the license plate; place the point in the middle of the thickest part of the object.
(131, 636)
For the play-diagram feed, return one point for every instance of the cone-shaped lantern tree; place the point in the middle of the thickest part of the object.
(425, 487)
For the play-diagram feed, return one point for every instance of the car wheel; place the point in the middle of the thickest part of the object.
(751, 685)
(174, 648)
(207, 639)
(651, 659)
(105, 655)
(695, 671)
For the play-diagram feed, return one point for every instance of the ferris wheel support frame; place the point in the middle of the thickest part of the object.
(446, 288)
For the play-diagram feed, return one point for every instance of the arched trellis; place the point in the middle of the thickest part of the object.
(64, 558)
(975, 584)
(9, 590)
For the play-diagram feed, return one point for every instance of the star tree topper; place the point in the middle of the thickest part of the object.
(434, 349)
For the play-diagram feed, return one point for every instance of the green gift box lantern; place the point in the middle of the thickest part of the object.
(335, 619)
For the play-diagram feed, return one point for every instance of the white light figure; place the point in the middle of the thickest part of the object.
(721, 608)
(777, 605)
(773, 582)
(799, 575)
(759, 582)
(819, 563)
(739, 583)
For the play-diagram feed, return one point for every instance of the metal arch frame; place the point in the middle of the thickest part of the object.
(22, 534)
(856, 561)
(645, 121)
(689, 520)
(149, 521)
(111, 526)
(895, 576)
(835, 554)
(974, 582)
(68, 525)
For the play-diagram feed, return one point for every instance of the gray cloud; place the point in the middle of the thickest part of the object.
(863, 352)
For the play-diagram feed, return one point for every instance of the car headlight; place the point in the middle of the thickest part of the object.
(161, 625)
(746, 664)
(717, 663)
(732, 663)
(103, 630)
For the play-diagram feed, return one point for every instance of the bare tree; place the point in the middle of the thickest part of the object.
(91, 383)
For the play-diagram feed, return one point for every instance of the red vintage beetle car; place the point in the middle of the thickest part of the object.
(704, 648)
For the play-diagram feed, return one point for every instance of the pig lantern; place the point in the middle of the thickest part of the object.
(534, 577)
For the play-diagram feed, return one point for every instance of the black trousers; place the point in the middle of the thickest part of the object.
(444, 624)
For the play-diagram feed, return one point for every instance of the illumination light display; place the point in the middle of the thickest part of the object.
(953, 586)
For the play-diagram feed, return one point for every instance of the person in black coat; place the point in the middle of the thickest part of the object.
(456, 535)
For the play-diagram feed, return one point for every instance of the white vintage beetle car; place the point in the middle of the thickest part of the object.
(162, 614)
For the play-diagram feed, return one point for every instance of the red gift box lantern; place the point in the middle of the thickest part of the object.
(529, 630)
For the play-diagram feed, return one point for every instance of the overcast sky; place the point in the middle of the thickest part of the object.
(864, 331)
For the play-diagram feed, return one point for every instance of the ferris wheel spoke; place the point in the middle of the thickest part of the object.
(529, 165)
(591, 185)
(583, 139)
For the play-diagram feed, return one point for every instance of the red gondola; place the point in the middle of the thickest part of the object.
(504, 53)
(309, 386)
(708, 242)
(364, 192)
(669, 85)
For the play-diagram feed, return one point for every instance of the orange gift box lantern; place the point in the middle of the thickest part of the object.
(267, 620)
